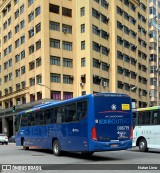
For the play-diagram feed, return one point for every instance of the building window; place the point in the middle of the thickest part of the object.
(31, 49)
(32, 97)
(5, 38)
(10, 48)
(22, 39)
(38, 45)
(104, 34)
(23, 70)
(82, 28)
(16, 28)
(105, 66)
(38, 62)
(10, 35)
(22, 54)
(96, 30)
(66, 12)
(96, 46)
(119, 11)
(96, 63)
(67, 95)
(54, 43)
(67, 62)
(67, 45)
(67, 79)
(39, 95)
(31, 65)
(22, 24)
(126, 30)
(30, 2)
(54, 26)
(38, 27)
(6, 65)
(31, 16)
(17, 58)
(53, 8)
(31, 32)
(82, 45)
(105, 50)
(21, 9)
(38, 11)
(67, 28)
(83, 62)
(39, 78)
(18, 87)
(9, 21)
(56, 95)
(96, 80)
(104, 19)
(6, 78)
(17, 72)
(17, 43)
(5, 52)
(82, 11)
(54, 60)
(120, 84)
(16, 14)
(23, 84)
(55, 77)
(32, 81)
(95, 13)
(152, 10)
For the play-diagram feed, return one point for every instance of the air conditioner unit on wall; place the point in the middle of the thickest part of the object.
(81, 84)
(105, 84)
(64, 30)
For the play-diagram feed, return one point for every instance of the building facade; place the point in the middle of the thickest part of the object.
(60, 49)
(154, 47)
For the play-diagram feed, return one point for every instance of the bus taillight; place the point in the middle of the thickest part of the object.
(131, 132)
(94, 133)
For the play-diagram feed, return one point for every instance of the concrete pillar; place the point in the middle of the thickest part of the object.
(5, 128)
(14, 124)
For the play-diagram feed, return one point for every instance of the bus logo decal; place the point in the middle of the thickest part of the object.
(113, 107)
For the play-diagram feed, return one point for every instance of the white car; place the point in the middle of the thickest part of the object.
(3, 139)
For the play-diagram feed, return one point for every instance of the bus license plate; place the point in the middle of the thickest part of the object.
(114, 145)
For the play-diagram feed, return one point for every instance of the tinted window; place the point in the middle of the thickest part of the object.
(155, 117)
(70, 113)
(24, 120)
(47, 116)
(60, 114)
(31, 119)
(81, 110)
(144, 118)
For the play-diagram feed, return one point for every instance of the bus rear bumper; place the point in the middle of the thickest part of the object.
(110, 146)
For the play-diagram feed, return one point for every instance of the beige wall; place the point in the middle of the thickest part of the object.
(76, 54)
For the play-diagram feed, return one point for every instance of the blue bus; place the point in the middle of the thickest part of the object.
(86, 124)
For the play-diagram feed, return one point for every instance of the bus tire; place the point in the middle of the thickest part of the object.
(24, 145)
(143, 145)
(87, 154)
(56, 148)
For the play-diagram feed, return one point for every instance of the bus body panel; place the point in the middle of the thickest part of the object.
(147, 126)
(77, 136)
(150, 133)
(112, 126)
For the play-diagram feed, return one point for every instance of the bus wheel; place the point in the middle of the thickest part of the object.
(56, 148)
(143, 145)
(87, 154)
(24, 145)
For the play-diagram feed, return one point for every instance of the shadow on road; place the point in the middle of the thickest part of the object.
(77, 155)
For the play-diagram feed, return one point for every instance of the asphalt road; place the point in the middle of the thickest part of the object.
(11, 154)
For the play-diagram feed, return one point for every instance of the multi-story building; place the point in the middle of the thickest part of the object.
(60, 49)
(154, 28)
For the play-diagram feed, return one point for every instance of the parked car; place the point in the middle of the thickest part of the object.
(3, 139)
(12, 139)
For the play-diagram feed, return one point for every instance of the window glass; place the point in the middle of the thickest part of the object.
(60, 114)
(70, 113)
(81, 110)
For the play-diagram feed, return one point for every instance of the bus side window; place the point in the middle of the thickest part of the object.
(24, 120)
(60, 115)
(81, 110)
(31, 119)
(70, 113)
(47, 116)
(155, 118)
